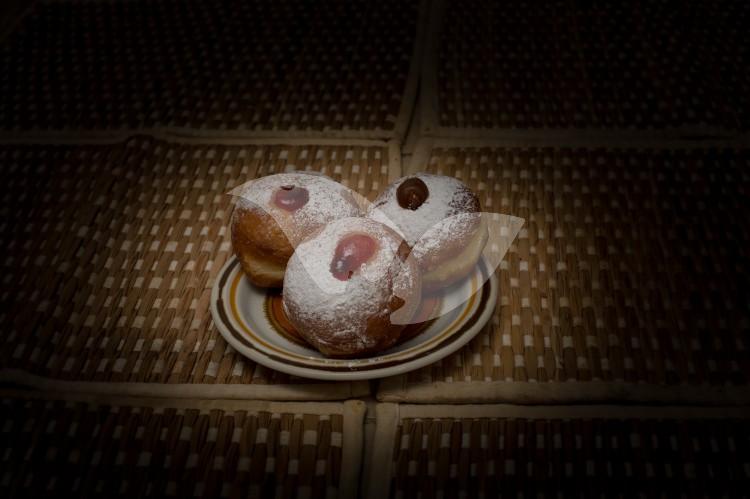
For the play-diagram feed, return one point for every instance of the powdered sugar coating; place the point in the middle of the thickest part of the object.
(328, 200)
(335, 312)
(450, 214)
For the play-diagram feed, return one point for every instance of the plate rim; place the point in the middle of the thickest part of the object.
(231, 278)
(398, 368)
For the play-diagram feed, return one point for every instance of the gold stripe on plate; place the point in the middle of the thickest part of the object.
(323, 362)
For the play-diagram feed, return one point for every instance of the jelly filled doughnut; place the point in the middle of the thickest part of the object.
(350, 288)
(440, 219)
(274, 213)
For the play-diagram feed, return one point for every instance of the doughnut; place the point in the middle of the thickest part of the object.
(351, 287)
(273, 214)
(440, 218)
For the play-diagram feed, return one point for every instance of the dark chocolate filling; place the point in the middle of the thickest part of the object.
(412, 193)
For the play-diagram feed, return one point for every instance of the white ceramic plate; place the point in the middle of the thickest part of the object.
(249, 318)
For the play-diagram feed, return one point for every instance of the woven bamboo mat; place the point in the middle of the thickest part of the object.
(583, 451)
(166, 448)
(11, 13)
(628, 281)
(111, 252)
(645, 66)
(262, 69)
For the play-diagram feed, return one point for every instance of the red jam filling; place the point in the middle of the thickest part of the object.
(351, 252)
(291, 197)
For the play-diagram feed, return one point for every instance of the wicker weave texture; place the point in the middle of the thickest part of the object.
(288, 66)
(81, 449)
(498, 457)
(111, 252)
(643, 65)
(631, 267)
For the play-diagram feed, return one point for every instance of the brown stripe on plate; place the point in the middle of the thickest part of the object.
(277, 318)
(222, 308)
(113, 249)
(628, 278)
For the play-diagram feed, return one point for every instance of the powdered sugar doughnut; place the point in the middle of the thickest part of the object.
(274, 213)
(343, 284)
(440, 218)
